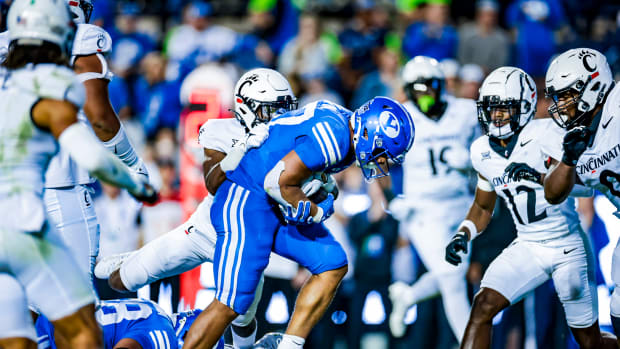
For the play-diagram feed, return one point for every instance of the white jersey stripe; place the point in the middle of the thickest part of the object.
(334, 142)
(246, 193)
(220, 284)
(231, 252)
(328, 143)
(154, 340)
(160, 339)
(318, 139)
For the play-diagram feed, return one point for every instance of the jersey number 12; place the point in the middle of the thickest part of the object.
(531, 205)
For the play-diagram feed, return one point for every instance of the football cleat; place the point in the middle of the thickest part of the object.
(109, 264)
(400, 304)
(269, 341)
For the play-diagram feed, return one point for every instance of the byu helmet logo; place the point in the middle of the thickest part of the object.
(389, 124)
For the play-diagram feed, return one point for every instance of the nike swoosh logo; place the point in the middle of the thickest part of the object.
(607, 123)
(523, 144)
(569, 251)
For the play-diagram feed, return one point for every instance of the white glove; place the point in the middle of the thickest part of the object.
(457, 158)
(311, 187)
(257, 135)
(400, 209)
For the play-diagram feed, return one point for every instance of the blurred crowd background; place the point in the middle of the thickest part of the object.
(176, 62)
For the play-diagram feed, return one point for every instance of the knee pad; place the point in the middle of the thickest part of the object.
(244, 320)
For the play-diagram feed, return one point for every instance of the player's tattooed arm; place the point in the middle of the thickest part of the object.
(213, 174)
(559, 182)
(97, 108)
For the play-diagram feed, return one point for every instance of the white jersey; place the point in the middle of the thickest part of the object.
(599, 166)
(219, 135)
(89, 39)
(428, 175)
(534, 218)
(25, 150)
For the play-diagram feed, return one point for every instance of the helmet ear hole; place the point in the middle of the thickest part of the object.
(365, 133)
(596, 86)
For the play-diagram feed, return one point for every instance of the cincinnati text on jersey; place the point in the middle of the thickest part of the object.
(593, 163)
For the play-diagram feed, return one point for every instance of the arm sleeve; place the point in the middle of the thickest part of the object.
(90, 154)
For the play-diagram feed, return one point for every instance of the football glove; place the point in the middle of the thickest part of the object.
(575, 143)
(518, 170)
(299, 215)
(456, 245)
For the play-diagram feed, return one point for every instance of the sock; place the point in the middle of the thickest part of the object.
(424, 288)
(243, 342)
(291, 342)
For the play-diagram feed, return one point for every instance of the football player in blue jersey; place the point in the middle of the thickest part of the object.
(261, 207)
(131, 324)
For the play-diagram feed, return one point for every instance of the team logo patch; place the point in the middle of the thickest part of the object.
(486, 155)
(389, 124)
(101, 41)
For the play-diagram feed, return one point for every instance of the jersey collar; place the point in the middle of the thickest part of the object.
(504, 151)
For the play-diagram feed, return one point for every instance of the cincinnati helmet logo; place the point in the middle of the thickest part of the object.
(588, 59)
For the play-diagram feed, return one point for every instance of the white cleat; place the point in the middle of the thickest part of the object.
(400, 304)
(109, 264)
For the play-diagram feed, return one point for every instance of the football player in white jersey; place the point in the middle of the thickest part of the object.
(40, 98)
(259, 94)
(436, 192)
(67, 195)
(586, 103)
(550, 244)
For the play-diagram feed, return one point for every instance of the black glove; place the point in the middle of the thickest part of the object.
(519, 170)
(576, 141)
(457, 244)
(149, 196)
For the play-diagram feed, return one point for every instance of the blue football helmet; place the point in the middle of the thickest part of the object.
(183, 321)
(381, 128)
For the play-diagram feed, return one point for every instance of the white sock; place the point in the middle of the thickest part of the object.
(424, 288)
(243, 342)
(291, 342)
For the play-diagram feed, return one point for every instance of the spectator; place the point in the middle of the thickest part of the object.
(433, 37)
(470, 79)
(381, 82)
(450, 68)
(374, 234)
(157, 100)
(118, 215)
(534, 23)
(361, 39)
(483, 42)
(274, 22)
(315, 89)
(305, 54)
(197, 41)
(130, 46)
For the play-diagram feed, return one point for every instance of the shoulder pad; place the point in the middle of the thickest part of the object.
(91, 39)
(479, 152)
(51, 81)
(219, 134)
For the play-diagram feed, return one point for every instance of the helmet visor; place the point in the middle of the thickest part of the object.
(270, 109)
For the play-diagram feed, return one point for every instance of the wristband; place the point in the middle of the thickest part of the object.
(473, 231)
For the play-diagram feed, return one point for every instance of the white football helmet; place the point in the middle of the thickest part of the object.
(263, 89)
(511, 89)
(584, 73)
(33, 22)
(419, 75)
(81, 10)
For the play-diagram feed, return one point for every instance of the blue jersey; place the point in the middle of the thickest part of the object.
(319, 133)
(140, 320)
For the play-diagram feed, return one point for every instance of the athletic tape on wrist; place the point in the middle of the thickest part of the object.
(473, 231)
